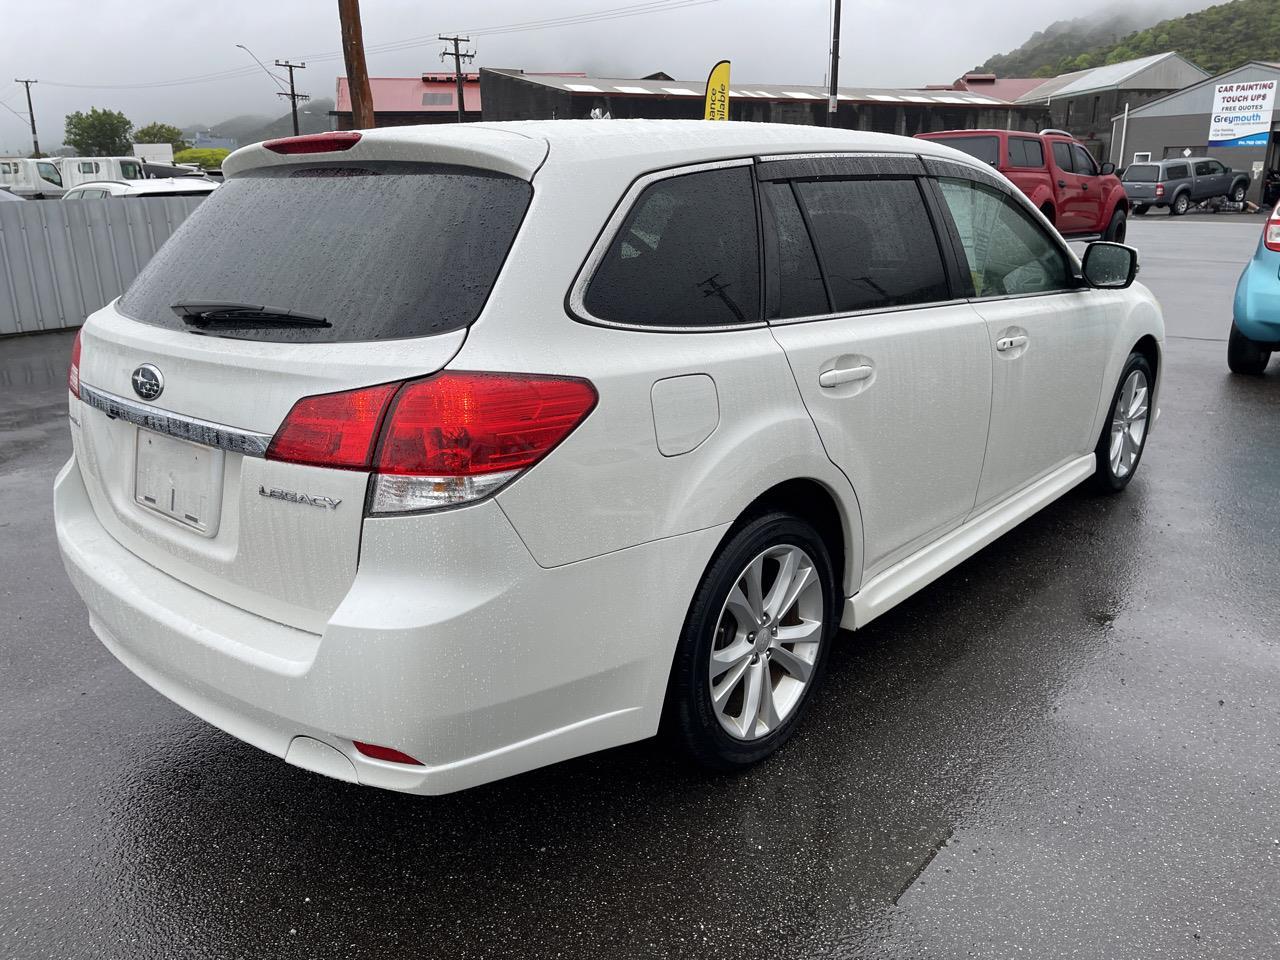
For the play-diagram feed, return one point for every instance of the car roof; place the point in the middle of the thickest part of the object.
(629, 147)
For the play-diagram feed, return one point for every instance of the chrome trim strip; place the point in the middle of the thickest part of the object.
(577, 292)
(245, 442)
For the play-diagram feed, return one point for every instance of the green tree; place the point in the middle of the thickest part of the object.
(99, 133)
(207, 158)
(161, 133)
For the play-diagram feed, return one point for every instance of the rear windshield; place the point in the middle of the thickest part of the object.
(1142, 173)
(378, 250)
(986, 149)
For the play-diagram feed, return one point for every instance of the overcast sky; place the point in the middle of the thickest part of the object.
(106, 42)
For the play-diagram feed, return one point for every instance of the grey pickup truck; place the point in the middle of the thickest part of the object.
(1179, 183)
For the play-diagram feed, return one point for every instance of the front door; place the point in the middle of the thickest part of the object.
(1047, 339)
(895, 374)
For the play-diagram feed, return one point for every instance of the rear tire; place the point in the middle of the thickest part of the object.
(1124, 434)
(712, 719)
(1181, 203)
(1140, 210)
(1117, 228)
(1244, 356)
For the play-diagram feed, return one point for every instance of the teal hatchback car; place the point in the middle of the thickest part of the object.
(1255, 328)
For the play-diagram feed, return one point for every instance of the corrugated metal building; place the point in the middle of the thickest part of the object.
(515, 95)
(1178, 125)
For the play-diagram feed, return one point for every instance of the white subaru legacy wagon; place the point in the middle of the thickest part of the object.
(420, 457)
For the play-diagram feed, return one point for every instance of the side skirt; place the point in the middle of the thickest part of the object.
(904, 578)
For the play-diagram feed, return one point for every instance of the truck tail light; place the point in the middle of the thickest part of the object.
(1159, 189)
(445, 440)
(73, 371)
(1271, 233)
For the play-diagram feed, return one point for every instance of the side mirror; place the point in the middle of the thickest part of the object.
(1107, 169)
(1110, 266)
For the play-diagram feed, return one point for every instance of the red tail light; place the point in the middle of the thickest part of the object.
(386, 753)
(1159, 189)
(1271, 232)
(315, 142)
(73, 371)
(445, 440)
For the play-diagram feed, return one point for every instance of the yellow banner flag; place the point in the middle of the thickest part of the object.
(717, 107)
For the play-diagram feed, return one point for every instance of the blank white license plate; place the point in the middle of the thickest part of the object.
(179, 479)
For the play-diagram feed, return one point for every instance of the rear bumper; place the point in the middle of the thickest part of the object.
(1257, 300)
(454, 647)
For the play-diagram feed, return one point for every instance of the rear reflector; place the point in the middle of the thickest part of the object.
(73, 371)
(334, 429)
(315, 142)
(386, 753)
(1271, 232)
(449, 439)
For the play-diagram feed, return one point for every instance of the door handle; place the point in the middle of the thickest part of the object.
(1062, 184)
(842, 375)
(1085, 185)
(1008, 343)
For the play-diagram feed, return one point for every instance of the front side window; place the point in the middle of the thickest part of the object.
(1082, 161)
(130, 170)
(1008, 253)
(1215, 167)
(686, 256)
(1062, 155)
(49, 172)
(876, 244)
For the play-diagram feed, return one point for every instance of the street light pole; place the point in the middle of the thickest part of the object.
(832, 97)
(31, 113)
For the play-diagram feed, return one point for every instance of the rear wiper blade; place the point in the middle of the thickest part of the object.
(205, 314)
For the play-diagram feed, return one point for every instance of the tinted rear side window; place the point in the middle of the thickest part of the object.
(1142, 173)
(986, 149)
(379, 250)
(795, 288)
(686, 256)
(875, 242)
(1024, 152)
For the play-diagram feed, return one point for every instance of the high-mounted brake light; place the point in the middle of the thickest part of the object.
(1271, 232)
(315, 142)
(73, 371)
(445, 440)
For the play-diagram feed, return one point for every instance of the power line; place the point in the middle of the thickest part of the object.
(597, 16)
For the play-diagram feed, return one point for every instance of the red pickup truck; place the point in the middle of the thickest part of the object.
(1055, 170)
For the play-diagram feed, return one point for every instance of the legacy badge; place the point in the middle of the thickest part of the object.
(294, 497)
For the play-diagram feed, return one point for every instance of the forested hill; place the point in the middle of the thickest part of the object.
(1217, 38)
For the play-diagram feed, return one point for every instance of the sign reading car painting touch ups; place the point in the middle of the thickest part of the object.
(1242, 114)
(717, 106)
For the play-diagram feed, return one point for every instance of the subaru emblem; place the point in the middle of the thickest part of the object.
(148, 382)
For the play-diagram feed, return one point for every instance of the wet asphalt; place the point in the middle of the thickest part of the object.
(1068, 747)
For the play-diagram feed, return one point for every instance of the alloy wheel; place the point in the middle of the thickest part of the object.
(765, 647)
(1129, 424)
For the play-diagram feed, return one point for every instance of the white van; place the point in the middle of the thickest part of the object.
(33, 179)
(77, 170)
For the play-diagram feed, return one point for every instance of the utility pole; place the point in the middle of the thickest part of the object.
(357, 72)
(458, 57)
(31, 113)
(835, 67)
(293, 96)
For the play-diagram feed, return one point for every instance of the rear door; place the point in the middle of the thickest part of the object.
(292, 280)
(1048, 339)
(1073, 204)
(894, 371)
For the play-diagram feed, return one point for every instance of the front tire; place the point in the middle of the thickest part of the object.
(754, 643)
(1124, 436)
(1117, 228)
(1237, 193)
(1181, 203)
(1245, 356)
